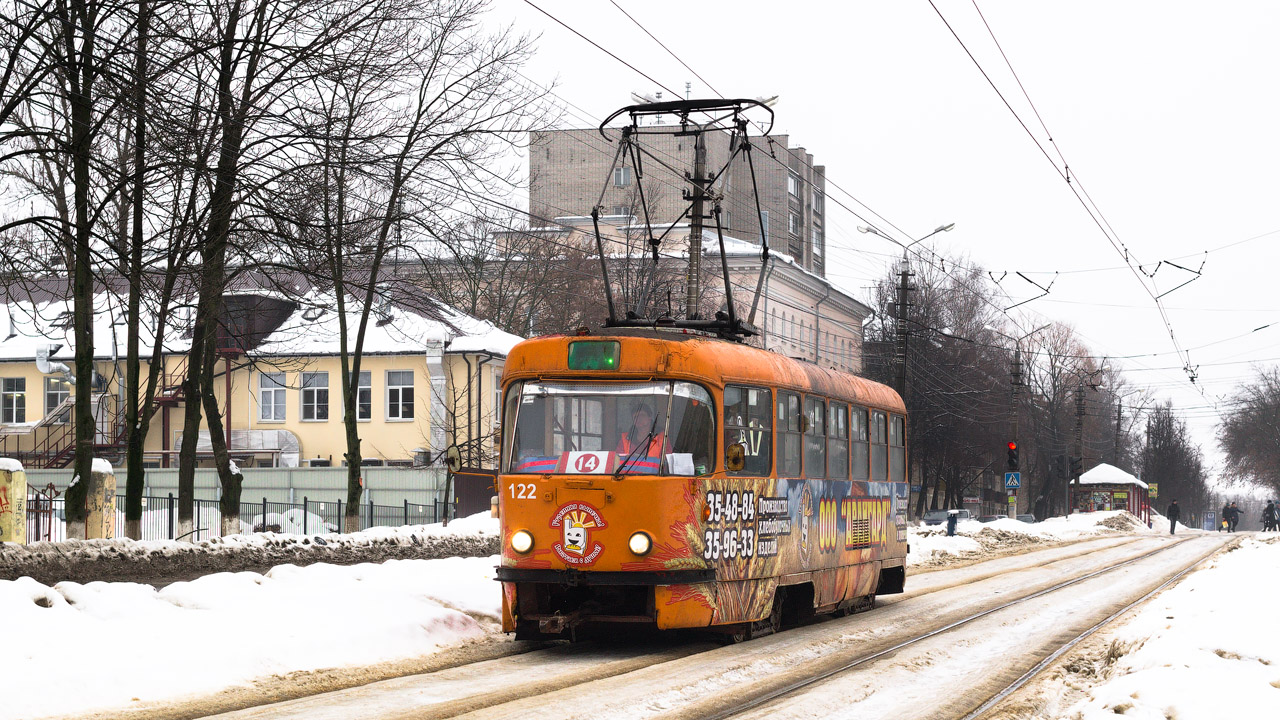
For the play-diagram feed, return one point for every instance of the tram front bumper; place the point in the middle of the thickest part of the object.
(558, 601)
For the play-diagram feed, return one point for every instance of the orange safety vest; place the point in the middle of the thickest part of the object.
(655, 445)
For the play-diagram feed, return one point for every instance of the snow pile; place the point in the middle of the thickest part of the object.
(930, 546)
(293, 521)
(1206, 649)
(234, 628)
(102, 466)
(10, 465)
(161, 560)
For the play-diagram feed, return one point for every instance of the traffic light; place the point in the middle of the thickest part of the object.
(1013, 456)
(1060, 464)
(1077, 467)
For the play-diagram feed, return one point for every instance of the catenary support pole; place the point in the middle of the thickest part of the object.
(692, 284)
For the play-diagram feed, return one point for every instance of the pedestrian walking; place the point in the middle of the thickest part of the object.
(1173, 513)
(1269, 517)
(1224, 522)
(1233, 516)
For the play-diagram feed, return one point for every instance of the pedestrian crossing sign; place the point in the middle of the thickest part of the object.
(1012, 480)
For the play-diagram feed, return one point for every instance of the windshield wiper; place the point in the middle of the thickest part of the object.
(617, 474)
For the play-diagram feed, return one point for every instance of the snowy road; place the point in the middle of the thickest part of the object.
(943, 676)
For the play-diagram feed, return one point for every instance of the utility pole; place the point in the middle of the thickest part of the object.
(900, 328)
(1015, 371)
(695, 223)
(1115, 451)
(1079, 444)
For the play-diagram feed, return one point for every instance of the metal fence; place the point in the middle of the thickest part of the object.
(386, 485)
(46, 518)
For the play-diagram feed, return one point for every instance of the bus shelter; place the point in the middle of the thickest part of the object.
(1107, 487)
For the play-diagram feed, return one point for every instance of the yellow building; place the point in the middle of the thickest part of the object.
(428, 379)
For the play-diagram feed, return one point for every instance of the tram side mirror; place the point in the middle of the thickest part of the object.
(735, 457)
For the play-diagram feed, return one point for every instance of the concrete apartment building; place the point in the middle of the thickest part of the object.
(568, 169)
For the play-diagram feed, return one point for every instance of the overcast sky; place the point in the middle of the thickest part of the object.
(1166, 112)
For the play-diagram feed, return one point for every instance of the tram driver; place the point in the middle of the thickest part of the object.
(642, 429)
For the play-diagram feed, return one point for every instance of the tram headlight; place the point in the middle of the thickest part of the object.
(640, 543)
(521, 541)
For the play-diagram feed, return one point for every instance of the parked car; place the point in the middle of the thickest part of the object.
(1027, 518)
(938, 517)
(990, 518)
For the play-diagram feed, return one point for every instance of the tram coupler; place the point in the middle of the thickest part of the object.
(557, 624)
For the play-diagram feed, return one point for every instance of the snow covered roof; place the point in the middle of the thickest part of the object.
(1105, 474)
(401, 325)
(28, 324)
(312, 329)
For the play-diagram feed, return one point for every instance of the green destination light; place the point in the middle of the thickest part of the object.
(594, 355)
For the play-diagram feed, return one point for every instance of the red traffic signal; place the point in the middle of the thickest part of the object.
(1013, 456)
(1013, 445)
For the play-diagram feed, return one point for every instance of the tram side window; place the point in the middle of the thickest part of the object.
(692, 427)
(897, 449)
(815, 437)
(879, 446)
(747, 420)
(838, 441)
(788, 434)
(861, 449)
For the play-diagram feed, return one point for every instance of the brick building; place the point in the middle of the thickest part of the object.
(569, 168)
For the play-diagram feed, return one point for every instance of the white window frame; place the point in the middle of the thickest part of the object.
(49, 407)
(816, 241)
(793, 185)
(10, 395)
(622, 176)
(363, 389)
(818, 201)
(495, 412)
(313, 390)
(399, 392)
(272, 385)
(793, 223)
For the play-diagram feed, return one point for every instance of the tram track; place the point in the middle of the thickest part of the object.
(791, 688)
(957, 644)
(1026, 678)
(550, 682)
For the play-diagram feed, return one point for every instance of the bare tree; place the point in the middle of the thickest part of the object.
(58, 94)
(1170, 458)
(523, 280)
(408, 119)
(256, 59)
(1250, 432)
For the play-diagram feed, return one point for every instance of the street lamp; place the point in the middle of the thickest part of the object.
(1016, 340)
(900, 349)
(875, 231)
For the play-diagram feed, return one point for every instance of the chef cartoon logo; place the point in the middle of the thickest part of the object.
(577, 521)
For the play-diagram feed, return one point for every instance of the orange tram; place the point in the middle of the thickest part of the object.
(677, 480)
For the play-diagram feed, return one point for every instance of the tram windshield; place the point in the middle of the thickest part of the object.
(646, 428)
